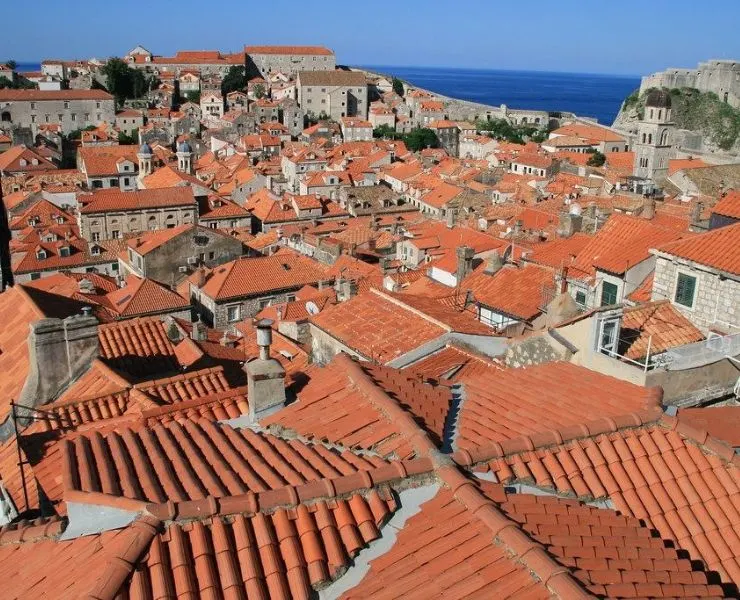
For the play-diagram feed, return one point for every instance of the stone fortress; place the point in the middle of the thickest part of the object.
(719, 76)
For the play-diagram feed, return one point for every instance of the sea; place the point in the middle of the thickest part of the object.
(585, 94)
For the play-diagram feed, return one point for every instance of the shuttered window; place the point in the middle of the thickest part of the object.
(608, 293)
(685, 288)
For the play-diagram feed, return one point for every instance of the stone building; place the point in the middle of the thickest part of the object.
(112, 214)
(212, 105)
(109, 166)
(129, 120)
(448, 134)
(263, 60)
(169, 255)
(204, 62)
(71, 109)
(240, 289)
(700, 276)
(356, 130)
(719, 76)
(653, 143)
(336, 93)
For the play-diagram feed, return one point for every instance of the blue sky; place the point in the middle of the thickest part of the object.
(628, 37)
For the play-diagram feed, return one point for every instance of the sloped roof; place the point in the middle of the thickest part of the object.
(262, 275)
(658, 326)
(508, 403)
(729, 205)
(717, 249)
(113, 200)
(142, 296)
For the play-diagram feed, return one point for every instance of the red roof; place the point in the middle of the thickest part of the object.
(722, 422)
(319, 50)
(729, 205)
(505, 404)
(114, 200)
(657, 325)
(11, 95)
(143, 296)
(717, 249)
(513, 291)
(262, 275)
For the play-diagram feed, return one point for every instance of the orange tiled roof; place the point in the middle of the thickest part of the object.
(377, 326)
(114, 200)
(505, 404)
(452, 365)
(321, 50)
(142, 296)
(262, 275)
(658, 325)
(728, 205)
(677, 164)
(588, 132)
(643, 292)
(10, 160)
(513, 291)
(717, 249)
(722, 422)
(103, 160)
(11, 95)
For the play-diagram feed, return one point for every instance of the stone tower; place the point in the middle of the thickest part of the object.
(653, 147)
(145, 160)
(184, 157)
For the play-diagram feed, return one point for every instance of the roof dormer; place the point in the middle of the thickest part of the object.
(41, 254)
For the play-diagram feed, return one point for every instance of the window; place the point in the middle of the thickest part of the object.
(46, 118)
(61, 117)
(95, 250)
(74, 117)
(33, 106)
(126, 181)
(581, 298)
(113, 182)
(685, 290)
(264, 303)
(64, 251)
(114, 267)
(33, 118)
(95, 236)
(35, 276)
(290, 298)
(608, 337)
(211, 255)
(66, 105)
(233, 313)
(115, 234)
(97, 105)
(608, 293)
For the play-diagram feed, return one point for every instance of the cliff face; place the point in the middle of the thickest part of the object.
(705, 123)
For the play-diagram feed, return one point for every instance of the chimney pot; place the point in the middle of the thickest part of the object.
(265, 377)
(87, 311)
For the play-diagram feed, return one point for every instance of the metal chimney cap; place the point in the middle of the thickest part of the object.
(264, 324)
(87, 310)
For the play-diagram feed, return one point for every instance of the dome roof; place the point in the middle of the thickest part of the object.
(145, 149)
(658, 99)
(183, 147)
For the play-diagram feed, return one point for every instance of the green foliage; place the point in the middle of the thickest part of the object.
(597, 159)
(398, 86)
(77, 133)
(420, 138)
(11, 64)
(5, 83)
(384, 131)
(124, 82)
(501, 129)
(632, 99)
(129, 140)
(193, 97)
(259, 91)
(18, 83)
(235, 80)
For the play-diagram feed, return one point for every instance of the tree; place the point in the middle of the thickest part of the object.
(420, 138)
(597, 159)
(129, 140)
(193, 97)
(259, 91)
(384, 131)
(398, 86)
(12, 65)
(234, 80)
(124, 82)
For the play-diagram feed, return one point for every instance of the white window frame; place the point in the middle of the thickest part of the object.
(229, 308)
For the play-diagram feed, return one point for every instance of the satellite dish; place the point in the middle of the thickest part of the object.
(311, 308)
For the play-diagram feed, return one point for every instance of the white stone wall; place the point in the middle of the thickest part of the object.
(716, 301)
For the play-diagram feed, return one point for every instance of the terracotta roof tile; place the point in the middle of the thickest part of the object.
(716, 249)
(451, 365)
(377, 326)
(142, 296)
(103, 160)
(729, 205)
(506, 404)
(643, 292)
(262, 275)
(722, 422)
(658, 325)
(115, 200)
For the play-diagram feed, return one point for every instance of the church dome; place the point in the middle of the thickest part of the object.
(145, 149)
(658, 99)
(184, 147)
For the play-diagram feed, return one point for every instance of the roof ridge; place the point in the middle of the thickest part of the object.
(701, 438)
(389, 408)
(411, 309)
(32, 531)
(179, 377)
(556, 437)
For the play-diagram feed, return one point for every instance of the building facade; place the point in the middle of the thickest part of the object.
(653, 146)
(336, 94)
(290, 60)
(71, 109)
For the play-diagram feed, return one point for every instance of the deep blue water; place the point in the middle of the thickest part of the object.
(28, 66)
(587, 95)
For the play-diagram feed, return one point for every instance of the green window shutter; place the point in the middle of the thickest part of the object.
(608, 293)
(685, 288)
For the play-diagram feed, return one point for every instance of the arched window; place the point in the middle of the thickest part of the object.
(660, 114)
(524, 119)
(651, 113)
(650, 138)
(643, 138)
(664, 138)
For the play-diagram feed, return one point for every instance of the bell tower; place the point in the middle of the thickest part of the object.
(654, 145)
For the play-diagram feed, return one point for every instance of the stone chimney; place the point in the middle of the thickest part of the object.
(383, 263)
(59, 351)
(648, 208)
(493, 263)
(569, 224)
(199, 332)
(464, 262)
(265, 377)
(200, 277)
(696, 211)
(450, 218)
(518, 226)
(345, 289)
